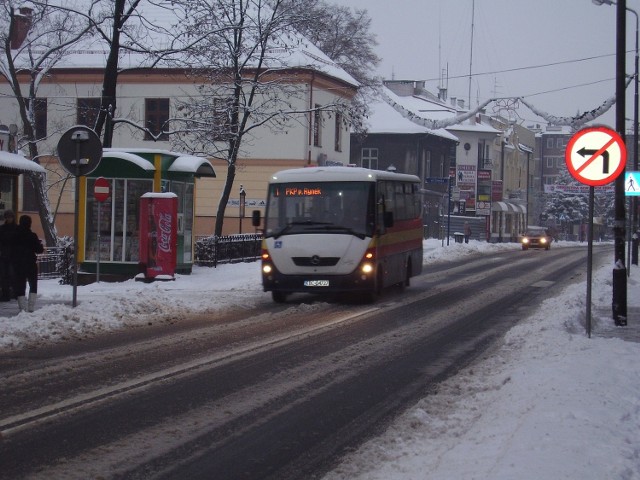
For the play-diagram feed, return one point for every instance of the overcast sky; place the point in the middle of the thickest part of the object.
(418, 39)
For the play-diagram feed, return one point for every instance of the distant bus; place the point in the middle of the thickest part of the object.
(341, 229)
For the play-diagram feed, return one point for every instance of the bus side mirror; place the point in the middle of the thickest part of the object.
(255, 218)
(388, 219)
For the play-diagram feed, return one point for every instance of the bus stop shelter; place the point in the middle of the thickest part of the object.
(131, 173)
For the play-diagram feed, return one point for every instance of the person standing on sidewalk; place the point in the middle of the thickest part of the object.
(467, 232)
(27, 245)
(8, 232)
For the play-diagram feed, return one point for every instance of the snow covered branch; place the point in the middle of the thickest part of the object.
(433, 124)
(576, 122)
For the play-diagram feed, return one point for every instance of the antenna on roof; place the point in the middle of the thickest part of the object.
(443, 80)
(473, 14)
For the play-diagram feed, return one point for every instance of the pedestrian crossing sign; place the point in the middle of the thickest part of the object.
(632, 184)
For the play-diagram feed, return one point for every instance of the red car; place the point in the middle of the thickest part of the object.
(536, 238)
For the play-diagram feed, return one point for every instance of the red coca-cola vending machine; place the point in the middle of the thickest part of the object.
(158, 236)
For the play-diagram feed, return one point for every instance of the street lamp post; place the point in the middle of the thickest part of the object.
(619, 302)
(634, 200)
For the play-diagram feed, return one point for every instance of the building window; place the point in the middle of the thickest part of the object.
(29, 203)
(317, 126)
(549, 142)
(560, 142)
(156, 111)
(442, 165)
(119, 220)
(87, 110)
(428, 164)
(338, 134)
(370, 158)
(39, 117)
(550, 163)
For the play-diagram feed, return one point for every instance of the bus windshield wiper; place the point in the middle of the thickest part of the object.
(345, 229)
(294, 223)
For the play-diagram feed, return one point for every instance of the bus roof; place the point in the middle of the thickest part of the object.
(338, 174)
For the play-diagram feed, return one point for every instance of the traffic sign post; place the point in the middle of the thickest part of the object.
(79, 152)
(101, 191)
(595, 156)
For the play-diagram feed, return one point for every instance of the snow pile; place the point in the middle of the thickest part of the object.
(104, 306)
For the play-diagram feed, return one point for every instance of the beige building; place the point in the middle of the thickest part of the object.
(70, 95)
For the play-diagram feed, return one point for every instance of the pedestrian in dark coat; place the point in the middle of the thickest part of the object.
(7, 239)
(26, 246)
(467, 232)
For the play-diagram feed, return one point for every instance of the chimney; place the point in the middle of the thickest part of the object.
(20, 27)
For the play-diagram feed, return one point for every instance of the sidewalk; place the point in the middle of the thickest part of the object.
(10, 309)
(603, 325)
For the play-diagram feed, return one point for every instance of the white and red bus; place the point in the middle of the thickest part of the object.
(341, 229)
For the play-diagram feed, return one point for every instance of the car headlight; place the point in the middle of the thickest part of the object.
(543, 240)
(525, 240)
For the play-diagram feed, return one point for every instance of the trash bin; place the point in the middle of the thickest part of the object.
(459, 237)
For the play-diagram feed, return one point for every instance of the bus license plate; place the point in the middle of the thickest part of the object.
(316, 283)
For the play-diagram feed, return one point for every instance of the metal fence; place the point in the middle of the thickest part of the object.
(51, 262)
(209, 251)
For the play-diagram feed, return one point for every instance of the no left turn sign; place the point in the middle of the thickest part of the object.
(596, 156)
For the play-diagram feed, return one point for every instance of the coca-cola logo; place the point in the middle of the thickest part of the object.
(164, 224)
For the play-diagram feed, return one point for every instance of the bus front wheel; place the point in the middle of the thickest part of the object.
(408, 274)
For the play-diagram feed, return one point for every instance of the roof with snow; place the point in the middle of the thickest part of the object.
(383, 118)
(16, 164)
(435, 114)
(292, 51)
(474, 127)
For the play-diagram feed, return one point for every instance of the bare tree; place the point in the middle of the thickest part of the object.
(124, 27)
(345, 36)
(342, 34)
(34, 39)
(246, 86)
(110, 79)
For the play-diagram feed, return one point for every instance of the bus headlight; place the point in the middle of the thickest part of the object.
(267, 269)
(367, 268)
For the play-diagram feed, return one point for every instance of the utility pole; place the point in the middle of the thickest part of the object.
(619, 301)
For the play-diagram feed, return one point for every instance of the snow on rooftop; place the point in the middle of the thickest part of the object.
(17, 162)
(294, 50)
(383, 118)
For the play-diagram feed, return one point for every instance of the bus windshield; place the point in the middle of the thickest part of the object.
(320, 207)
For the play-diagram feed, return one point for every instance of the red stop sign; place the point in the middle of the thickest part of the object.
(101, 189)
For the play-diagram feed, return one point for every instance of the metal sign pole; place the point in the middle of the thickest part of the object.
(449, 212)
(76, 228)
(590, 259)
(99, 242)
(79, 152)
